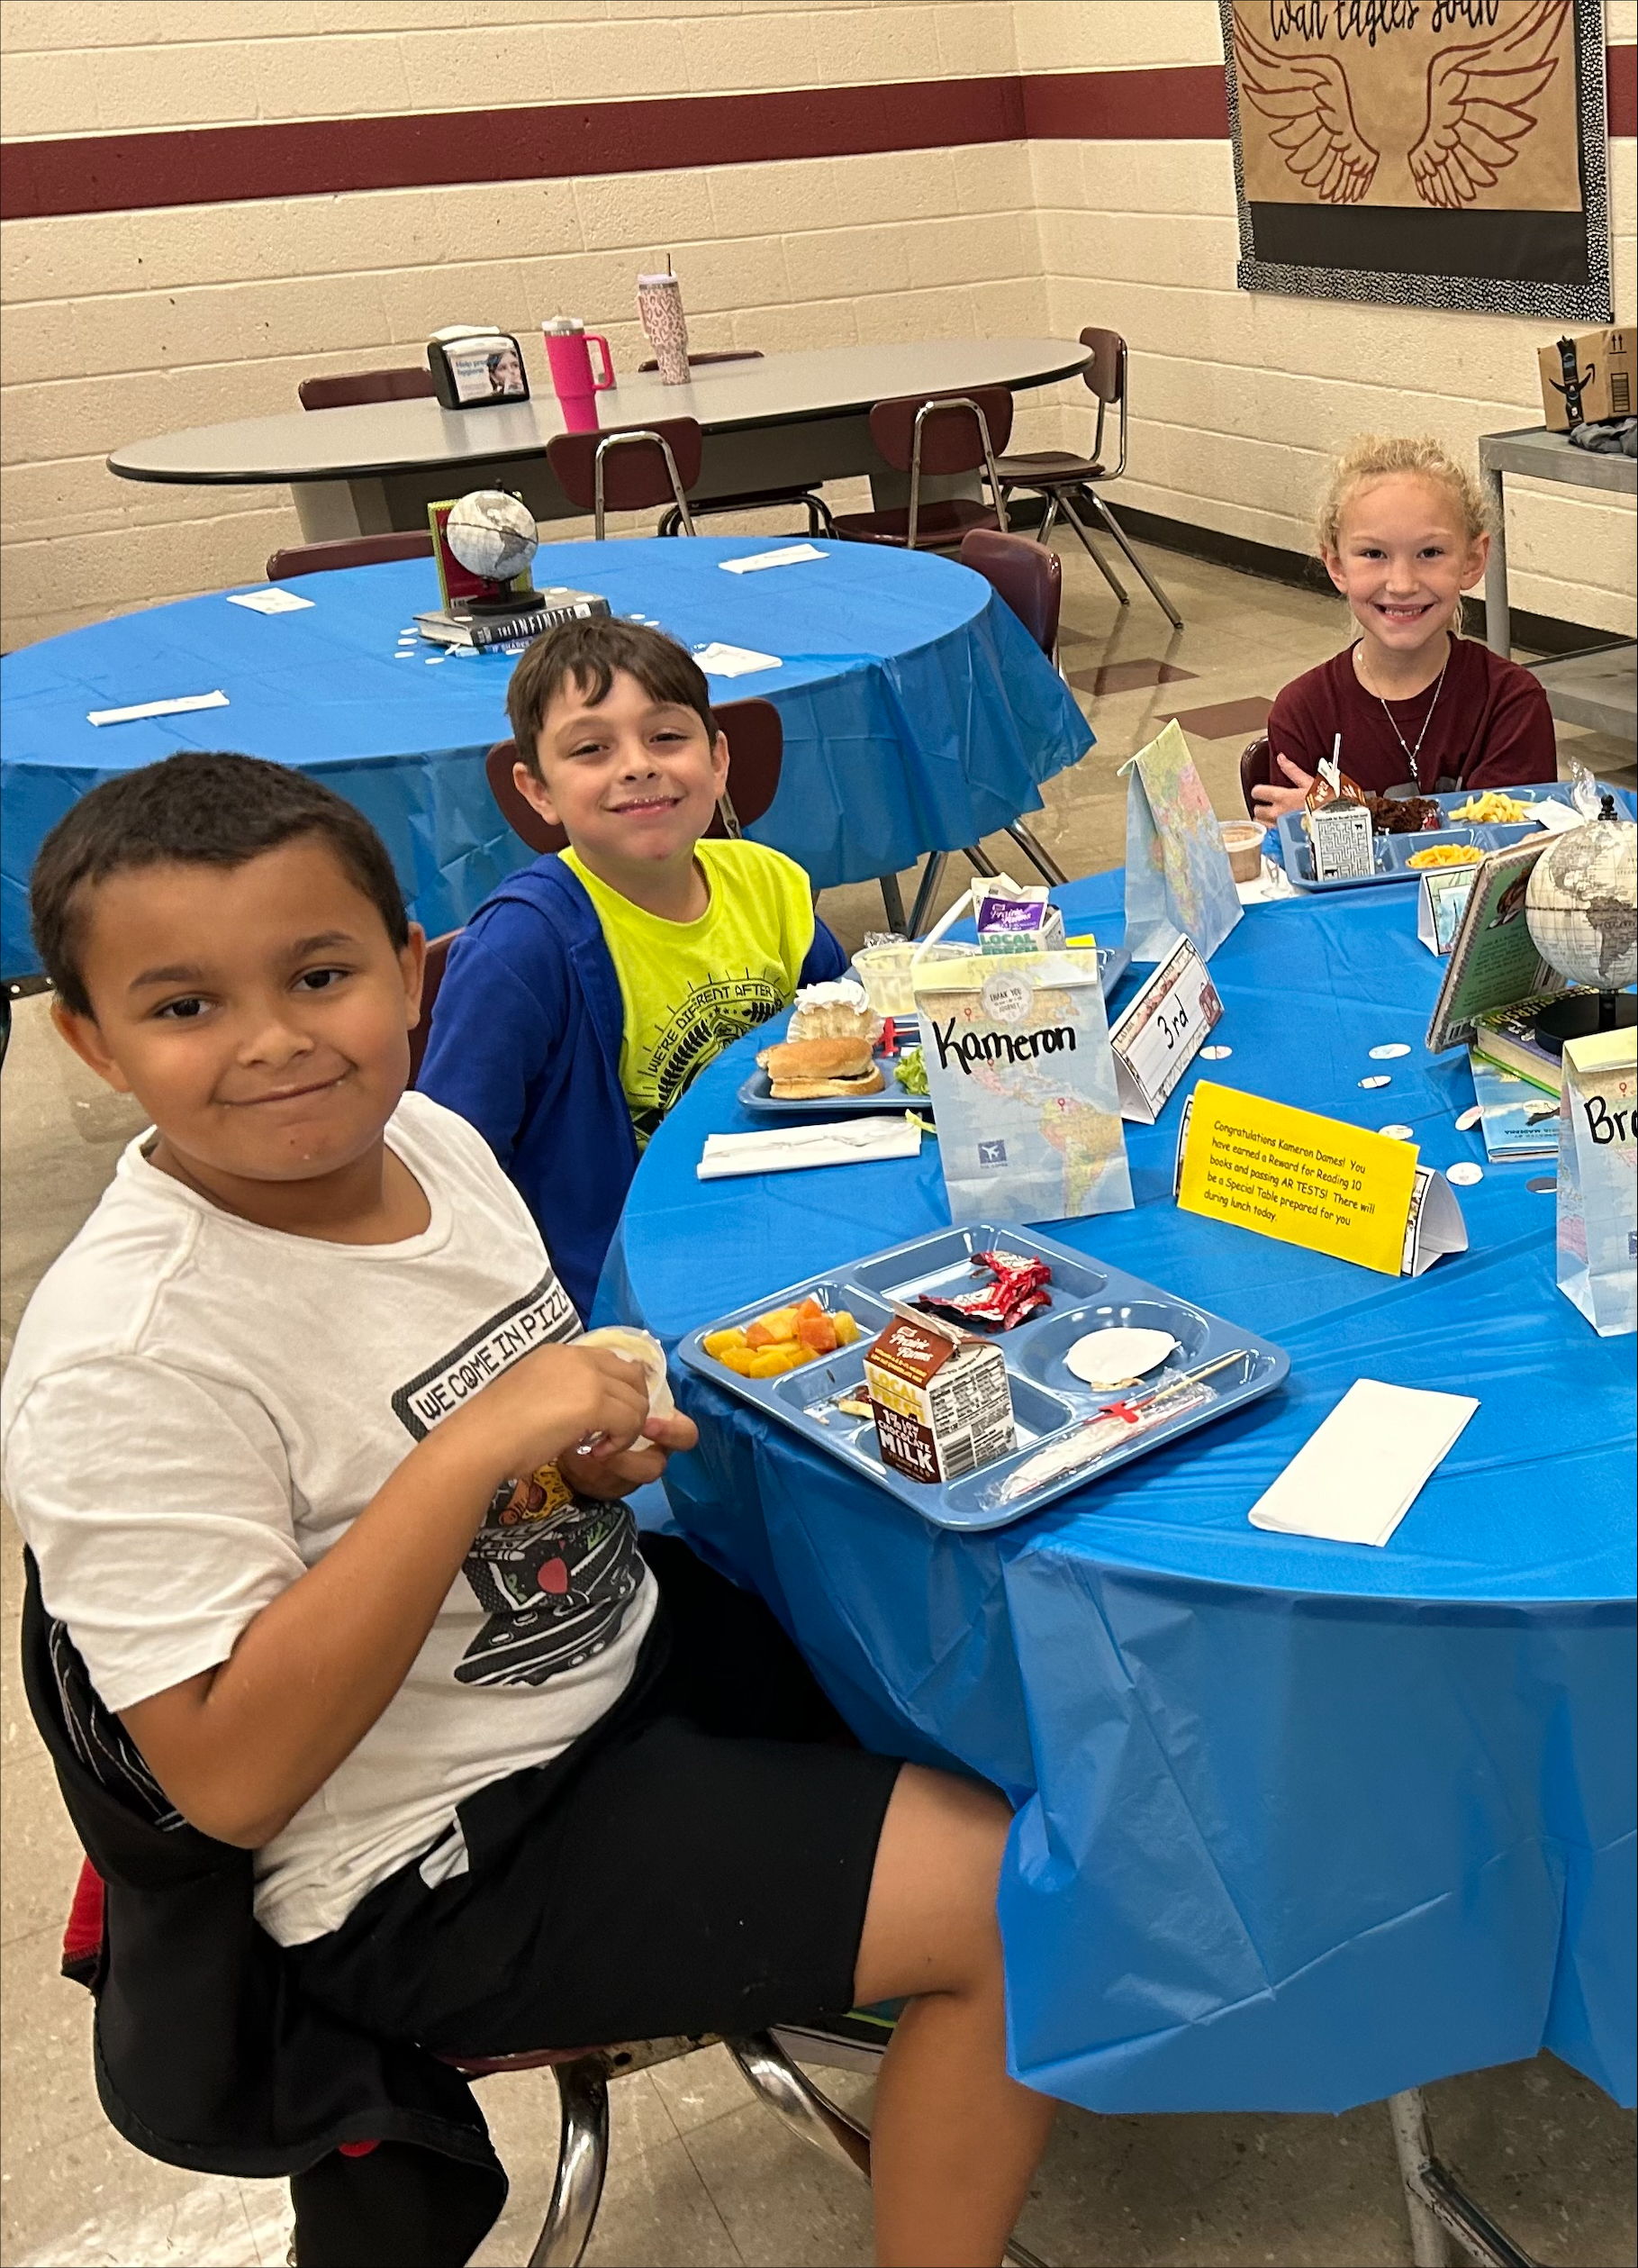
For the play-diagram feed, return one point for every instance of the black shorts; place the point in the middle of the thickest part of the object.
(700, 1861)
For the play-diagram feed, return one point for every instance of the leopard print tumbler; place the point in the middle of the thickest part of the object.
(660, 303)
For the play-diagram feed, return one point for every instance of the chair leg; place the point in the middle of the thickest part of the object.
(892, 903)
(1115, 529)
(932, 874)
(1093, 552)
(981, 862)
(582, 2160)
(776, 2081)
(1438, 2207)
(821, 519)
(1038, 856)
(1049, 518)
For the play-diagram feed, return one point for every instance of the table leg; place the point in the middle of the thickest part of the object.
(1498, 624)
(1438, 2207)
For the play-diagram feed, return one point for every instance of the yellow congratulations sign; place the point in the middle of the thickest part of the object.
(1292, 1175)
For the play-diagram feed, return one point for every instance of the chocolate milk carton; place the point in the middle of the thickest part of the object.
(942, 1401)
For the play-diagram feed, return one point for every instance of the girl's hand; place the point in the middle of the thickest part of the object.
(591, 1475)
(1269, 804)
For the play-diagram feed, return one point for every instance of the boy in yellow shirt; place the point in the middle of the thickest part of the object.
(588, 991)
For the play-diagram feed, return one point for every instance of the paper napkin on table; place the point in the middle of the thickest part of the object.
(177, 708)
(1271, 887)
(850, 1142)
(1557, 818)
(787, 556)
(1357, 1475)
(272, 601)
(733, 661)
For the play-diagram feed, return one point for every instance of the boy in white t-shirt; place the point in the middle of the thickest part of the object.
(328, 1499)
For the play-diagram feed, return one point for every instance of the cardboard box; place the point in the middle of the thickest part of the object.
(1342, 840)
(942, 1400)
(1601, 367)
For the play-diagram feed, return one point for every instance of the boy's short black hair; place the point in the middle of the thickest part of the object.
(590, 652)
(198, 809)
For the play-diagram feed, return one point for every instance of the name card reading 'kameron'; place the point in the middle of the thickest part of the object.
(1314, 1180)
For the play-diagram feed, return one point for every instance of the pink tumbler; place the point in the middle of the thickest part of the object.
(568, 345)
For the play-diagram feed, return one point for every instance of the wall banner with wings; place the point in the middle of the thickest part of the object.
(1422, 153)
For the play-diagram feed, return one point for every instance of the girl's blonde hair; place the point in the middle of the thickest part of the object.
(1371, 455)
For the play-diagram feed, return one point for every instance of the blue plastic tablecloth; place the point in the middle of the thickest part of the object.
(1301, 1823)
(919, 714)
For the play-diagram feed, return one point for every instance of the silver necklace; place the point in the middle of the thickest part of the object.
(1412, 755)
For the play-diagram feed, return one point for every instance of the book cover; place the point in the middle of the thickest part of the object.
(1494, 961)
(482, 631)
(1519, 1120)
(1508, 1037)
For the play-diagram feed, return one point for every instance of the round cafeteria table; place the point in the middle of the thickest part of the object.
(919, 714)
(1300, 1824)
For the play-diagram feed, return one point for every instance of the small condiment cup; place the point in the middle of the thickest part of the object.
(1243, 840)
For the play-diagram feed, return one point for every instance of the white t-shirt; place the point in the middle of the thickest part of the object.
(197, 1409)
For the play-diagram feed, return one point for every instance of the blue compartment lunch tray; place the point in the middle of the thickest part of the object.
(1047, 1399)
(1393, 852)
(1113, 962)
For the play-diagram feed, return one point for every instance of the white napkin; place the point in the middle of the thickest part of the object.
(787, 556)
(733, 661)
(272, 601)
(157, 709)
(1357, 1475)
(1557, 818)
(850, 1142)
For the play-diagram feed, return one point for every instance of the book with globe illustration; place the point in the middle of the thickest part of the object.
(1494, 960)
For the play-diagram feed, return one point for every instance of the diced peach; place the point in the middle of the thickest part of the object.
(846, 1330)
(740, 1359)
(770, 1362)
(717, 1343)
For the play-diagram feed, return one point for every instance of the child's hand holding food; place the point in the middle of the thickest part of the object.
(536, 1411)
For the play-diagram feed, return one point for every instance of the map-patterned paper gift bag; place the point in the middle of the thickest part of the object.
(1178, 882)
(1022, 1083)
(1597, 1237)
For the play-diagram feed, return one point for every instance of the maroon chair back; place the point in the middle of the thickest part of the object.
(755, 750)
(712, 354)
(951, 441)
(1256, 768)
(437, 956)
(347, 551)
(1027, 575)
(1105, 374)
(351, 386)
(634, 478)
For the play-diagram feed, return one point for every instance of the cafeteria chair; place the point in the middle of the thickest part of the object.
(1057, 475)
(431, 977)
(1028, 578)
(630, 468)
(1256, 768)
(948, 433)
(755, 745)
(348, 551)
(819, 519)
(352, 386)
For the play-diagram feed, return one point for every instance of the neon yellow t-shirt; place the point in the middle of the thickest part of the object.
(688, 988)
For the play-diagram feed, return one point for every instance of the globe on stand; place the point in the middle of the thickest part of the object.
(1582, 908)
(493, 534)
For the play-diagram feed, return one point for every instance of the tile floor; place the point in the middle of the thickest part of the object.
(700, 2172)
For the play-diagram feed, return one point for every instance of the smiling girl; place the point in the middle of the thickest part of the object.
(1402, 532)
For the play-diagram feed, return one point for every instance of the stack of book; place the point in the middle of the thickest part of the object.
(1507, 1039)
(481, 631)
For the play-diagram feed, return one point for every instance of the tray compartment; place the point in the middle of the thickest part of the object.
(943, 1265)
(1402, 848)
(834, 1292)
(1048, 1341)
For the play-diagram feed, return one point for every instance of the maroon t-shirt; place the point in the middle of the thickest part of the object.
(1491, 727)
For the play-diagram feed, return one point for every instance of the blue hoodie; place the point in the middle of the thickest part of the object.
(525, 1043)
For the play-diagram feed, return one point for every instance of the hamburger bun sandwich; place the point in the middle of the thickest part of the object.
(816, 1070)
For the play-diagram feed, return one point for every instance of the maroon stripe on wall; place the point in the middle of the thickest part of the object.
(216, 165)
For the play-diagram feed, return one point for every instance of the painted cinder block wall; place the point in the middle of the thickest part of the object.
(123, 324)
(1240, 397)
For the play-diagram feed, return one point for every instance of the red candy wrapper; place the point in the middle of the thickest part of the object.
(1015, 1290)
